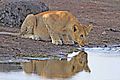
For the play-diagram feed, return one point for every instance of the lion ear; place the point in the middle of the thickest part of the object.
(88, 28)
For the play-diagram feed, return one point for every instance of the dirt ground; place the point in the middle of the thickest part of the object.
(103, 14)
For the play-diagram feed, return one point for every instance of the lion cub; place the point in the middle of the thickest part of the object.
(58, 26)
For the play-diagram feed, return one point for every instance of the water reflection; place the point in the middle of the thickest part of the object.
(58, 68)
(11, 66)
(102, 67)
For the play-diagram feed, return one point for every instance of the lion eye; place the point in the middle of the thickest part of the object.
(81, 36)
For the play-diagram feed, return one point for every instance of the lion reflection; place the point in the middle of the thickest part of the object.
(58, 68)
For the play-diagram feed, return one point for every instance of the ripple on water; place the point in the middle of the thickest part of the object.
(106, 51)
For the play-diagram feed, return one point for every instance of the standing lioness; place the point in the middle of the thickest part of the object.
(58, 26)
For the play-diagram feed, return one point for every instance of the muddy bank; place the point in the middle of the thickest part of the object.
(10, 46)
(104, 15)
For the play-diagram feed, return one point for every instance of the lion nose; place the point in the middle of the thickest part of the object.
(81, 45)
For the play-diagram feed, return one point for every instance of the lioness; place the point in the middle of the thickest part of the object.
(58, 68)
(58, 26)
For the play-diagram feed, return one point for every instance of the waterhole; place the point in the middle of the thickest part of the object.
(90, 64)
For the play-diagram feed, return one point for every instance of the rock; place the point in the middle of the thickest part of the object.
(104, 33)
(112, 29)
(13, 12)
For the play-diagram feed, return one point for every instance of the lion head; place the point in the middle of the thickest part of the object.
(80, 62)
(80, 32)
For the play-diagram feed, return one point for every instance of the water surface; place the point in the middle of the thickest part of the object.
(104, 64)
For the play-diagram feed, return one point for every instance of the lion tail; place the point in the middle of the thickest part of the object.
(9, 33)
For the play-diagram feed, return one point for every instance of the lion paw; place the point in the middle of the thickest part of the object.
(34, 37)
(57, 42)
(69, 42)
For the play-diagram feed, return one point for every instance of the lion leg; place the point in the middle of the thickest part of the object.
(31, 36)
(55, 39)
(23, 30)
(66, 39)
(28, 33)
(26, 30)
(54, 36)
(27, 36)
(29, 30)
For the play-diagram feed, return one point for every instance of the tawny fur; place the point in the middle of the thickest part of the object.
(58, 68)
(59, 26)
